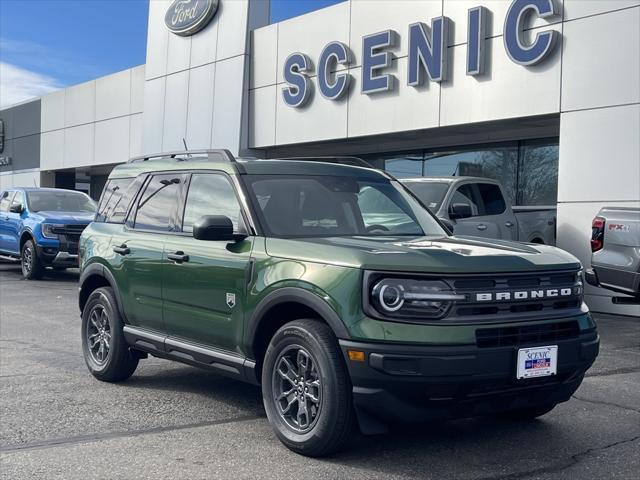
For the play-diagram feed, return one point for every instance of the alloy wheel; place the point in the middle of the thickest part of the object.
(27, 260)
(297, 390)
(99, 334)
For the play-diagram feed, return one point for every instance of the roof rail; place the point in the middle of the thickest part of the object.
(217, 154)
(353, 161)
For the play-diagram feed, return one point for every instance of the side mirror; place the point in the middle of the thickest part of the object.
(447, 225)
(215, 227)
(16, 208)
(460, 210)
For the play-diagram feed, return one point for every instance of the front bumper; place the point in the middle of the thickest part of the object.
(407, 383)
(618, 281)
(53, 257)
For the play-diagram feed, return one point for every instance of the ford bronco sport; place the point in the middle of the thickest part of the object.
(333, 288)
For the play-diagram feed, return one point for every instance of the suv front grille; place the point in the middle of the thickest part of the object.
(74, 230)
(525, 335)
(69, 236)
(516, 295)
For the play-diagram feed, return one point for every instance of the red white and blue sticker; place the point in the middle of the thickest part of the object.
(537, 362)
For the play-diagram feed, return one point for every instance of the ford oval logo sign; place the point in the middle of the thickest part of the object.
(186, 17)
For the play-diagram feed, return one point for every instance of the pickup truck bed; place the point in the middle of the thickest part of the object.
(615, 243)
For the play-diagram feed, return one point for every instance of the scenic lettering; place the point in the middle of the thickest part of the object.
(427, 53)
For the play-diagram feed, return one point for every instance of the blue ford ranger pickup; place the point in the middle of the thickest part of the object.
(41, 227)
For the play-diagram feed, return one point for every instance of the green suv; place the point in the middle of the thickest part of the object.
(331, 286)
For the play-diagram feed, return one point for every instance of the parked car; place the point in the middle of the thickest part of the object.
(478, 206)
(331, 287)
(41, 227)
(615, 258)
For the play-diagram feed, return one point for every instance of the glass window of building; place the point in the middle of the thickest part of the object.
(527, 170)
(538, 173)
(498, 162)
(405, 166)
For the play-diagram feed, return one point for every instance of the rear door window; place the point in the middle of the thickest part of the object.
(5, 201)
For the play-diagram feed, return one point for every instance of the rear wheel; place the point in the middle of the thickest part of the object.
(105, 349)
(306, 389)
(32, 268)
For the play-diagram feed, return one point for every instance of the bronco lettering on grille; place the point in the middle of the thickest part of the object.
(524, 295)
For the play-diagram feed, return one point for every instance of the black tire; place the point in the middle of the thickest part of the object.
(327, 431)
(528, 413)
(32, 268)
(100, 316)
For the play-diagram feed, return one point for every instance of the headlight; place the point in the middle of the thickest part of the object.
(47, 230)
(411, 298)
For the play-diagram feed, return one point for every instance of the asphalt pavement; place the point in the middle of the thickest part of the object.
(175, 421)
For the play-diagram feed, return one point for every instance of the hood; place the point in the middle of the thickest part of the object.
(424, 254)
(66, 217)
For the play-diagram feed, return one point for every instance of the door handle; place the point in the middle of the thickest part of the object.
(122, 250)
(482, 226)
(509, 224)
(178, 257)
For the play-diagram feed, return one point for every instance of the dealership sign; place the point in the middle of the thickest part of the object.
(186, 17)
(427, 53)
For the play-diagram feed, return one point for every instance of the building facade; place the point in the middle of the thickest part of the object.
(543, 95)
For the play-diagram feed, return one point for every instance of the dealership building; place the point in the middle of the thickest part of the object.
(543, 95)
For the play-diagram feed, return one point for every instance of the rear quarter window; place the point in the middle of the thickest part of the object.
(116, 198)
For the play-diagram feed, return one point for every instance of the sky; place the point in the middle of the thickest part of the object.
(46, 45)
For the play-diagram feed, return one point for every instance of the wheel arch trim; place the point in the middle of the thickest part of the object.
(99, 270)
(26, 234)
(292, 295)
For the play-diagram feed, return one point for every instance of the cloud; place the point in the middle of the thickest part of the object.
(18, 84)
(59, 63)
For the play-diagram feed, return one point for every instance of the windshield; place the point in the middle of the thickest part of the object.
(321, 206)
(60, 201)
(430, 194)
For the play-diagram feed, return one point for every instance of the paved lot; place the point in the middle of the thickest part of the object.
(174, 421)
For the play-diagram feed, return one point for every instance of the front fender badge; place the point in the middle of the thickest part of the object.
(231, 300)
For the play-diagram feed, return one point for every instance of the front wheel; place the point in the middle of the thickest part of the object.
(32, 268)
(306, 389)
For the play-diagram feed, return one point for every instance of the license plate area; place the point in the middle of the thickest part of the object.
(536, 362)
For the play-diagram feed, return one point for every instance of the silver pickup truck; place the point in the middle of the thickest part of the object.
(615, 261)
(477, 206)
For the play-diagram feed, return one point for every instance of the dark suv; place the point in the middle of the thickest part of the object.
(332, 287)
